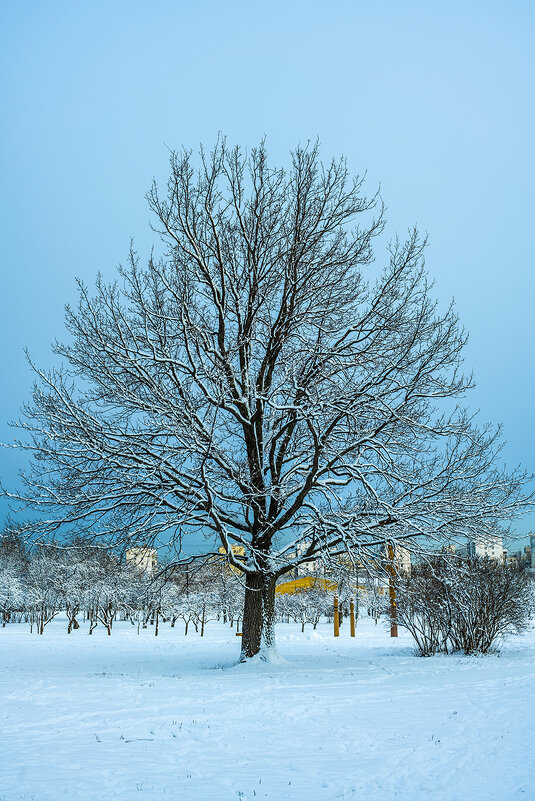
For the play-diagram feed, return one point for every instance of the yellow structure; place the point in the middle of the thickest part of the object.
(305, 583)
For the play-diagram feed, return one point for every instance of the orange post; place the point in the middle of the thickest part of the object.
(336, 618)
(392, 592)
(352, 617)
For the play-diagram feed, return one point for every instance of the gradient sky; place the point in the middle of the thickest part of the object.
(434, 100)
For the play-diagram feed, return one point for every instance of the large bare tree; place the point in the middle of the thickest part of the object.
(263, 383)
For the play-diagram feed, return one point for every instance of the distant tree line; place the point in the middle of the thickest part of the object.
(94, 585)
(448, 604)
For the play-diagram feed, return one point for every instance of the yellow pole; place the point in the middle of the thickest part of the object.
(336, 618)
(392, 592)
(352, 617)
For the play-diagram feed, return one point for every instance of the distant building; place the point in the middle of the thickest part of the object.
(521, 557)
(311, 567)
(489, 546)
(142, 558)
(532, 550)
(402, 558)
(237, 550)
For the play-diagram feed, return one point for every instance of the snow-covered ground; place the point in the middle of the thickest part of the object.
(127, 717)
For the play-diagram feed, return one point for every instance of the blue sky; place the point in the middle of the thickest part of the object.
(434, 100)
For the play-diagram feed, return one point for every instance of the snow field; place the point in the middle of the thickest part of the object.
(127, 717)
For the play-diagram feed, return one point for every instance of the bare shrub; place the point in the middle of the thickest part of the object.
(424, 605)
(464, 604)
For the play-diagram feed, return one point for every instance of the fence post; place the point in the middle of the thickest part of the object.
(336, 618)
(392, 592)
(352, 617)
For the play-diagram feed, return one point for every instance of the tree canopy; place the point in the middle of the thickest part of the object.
(263, 382)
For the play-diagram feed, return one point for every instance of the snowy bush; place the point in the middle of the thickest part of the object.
(11, 593)
(464, 604)
(13, 561)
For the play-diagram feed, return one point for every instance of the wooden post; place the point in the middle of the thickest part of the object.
(392, 591)
(352, 617)
(336, 618)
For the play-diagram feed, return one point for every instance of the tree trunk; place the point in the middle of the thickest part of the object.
(258, 629)
(93, 621)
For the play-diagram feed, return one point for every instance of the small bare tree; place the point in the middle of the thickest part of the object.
(41, 588)
(262, 383)
(308, 605)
